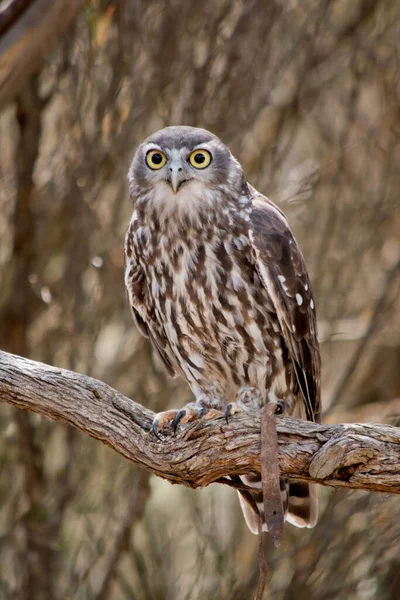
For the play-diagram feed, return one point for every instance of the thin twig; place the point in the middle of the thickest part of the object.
(273, 509)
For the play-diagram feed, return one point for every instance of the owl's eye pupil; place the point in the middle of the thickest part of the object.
(199, 158)
(157, 158)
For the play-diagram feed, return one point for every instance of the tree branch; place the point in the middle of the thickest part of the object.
(354, 456)
(28, 30)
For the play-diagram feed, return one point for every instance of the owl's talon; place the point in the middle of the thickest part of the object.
(231, 409)
(173, 418)
(164, 418)
(178, 418)
(155, 427)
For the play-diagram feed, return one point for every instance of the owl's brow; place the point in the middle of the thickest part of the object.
(202, 146)
(186, 150)
(153, 146)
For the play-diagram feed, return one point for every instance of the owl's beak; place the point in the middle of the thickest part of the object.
(177, 177)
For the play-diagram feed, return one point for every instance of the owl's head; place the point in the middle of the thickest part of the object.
(183, 162)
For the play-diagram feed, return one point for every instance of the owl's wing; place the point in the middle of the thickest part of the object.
(283, 273)
(134, 281)
(154, 339)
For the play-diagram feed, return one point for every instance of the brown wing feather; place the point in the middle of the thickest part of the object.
(283, 272)
(155, 341)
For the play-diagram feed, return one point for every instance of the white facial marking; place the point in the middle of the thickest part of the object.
(188, 200)
(281, 278)
(299, 299)
(312, 303)
(306, 286)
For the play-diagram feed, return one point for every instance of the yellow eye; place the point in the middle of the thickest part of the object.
(156, 159)
(200, 159)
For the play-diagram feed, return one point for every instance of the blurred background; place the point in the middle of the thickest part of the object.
(307, 95)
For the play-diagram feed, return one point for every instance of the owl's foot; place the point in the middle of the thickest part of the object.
(190, 412)
(248, 399)
(231, 409)
(280, 407)
(164, 418)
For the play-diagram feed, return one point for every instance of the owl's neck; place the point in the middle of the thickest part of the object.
(195, 207)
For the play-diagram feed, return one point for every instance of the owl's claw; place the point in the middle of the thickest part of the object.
(191, 412)
(162, 418)
(231, 409)
(178, 418)
(155, 428)
(186, 415)
(173, 417)
(248, 399)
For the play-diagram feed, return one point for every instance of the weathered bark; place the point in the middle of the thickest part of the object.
(359, 456)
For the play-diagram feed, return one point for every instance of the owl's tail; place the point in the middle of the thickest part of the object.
(299, 499)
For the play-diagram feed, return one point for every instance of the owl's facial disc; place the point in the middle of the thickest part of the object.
(183, 170)
(177, 166)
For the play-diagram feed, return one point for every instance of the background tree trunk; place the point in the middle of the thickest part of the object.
(306, 95)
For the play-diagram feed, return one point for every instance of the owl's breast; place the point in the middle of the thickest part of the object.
(206, 296)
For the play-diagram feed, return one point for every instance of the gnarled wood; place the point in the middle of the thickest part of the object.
(359, 456)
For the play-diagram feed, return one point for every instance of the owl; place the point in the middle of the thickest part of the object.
(216, 281)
